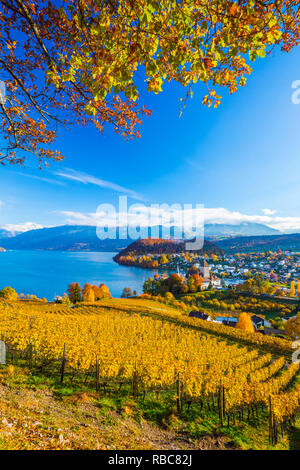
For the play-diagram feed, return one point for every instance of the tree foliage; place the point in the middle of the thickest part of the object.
(194, 282)
(8, 293)
(88, 294)
(173, 284)
(293, 327)
(79, 61)
(245, 322)
(257, 285)
(104, 291)
(74, 291)
(292, 289)
(126, 293)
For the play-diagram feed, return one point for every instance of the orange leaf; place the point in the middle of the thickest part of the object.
(233, 9)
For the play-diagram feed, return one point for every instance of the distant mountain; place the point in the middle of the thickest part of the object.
(284, 242)
(217, 231)
(84, 238)
(6, 233)
(69, 238)
(244, 229)
(159, 246)
(63, 238)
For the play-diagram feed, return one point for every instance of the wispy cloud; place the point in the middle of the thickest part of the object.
(45, 180)
(23, 227)
(85, 178)
(269, 211)
(194, 164)
(78, 218)
(145, 216)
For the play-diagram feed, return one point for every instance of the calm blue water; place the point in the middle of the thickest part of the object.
(48, 273)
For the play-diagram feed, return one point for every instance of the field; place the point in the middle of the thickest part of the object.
(143, 363)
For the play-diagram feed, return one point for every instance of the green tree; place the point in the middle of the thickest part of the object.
(176, 284)
(74, 291)
(169, 297)
(65, 299)
(8, 293)
(126, 292)
(278, 323)
(153, 286)
(163, 259)
(194, 283)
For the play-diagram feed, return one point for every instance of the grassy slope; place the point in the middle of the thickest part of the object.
(38, 413)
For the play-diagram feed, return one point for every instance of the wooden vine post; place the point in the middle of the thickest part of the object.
(221, 404)
(135, 385)
(97, 375)
(30, 350)
(271, 422)
(275, 430)
(179, 393)
(63, 365)
(30, 355)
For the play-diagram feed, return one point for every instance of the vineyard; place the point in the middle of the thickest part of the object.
(124, 345)
(156, 310)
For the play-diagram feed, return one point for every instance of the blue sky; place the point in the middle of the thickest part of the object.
(240, 161)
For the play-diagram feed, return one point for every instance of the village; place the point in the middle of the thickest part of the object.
(259, 323)
(280, 268)
(219, 289)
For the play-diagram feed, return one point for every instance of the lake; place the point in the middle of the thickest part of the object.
(48, 273)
